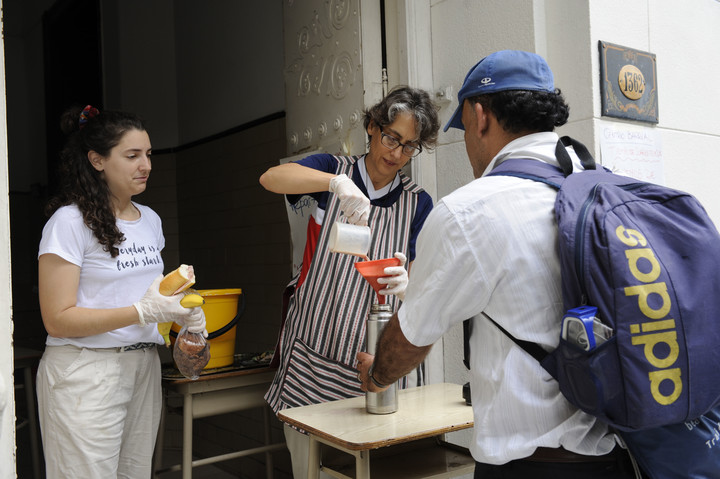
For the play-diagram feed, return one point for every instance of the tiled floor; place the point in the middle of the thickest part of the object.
(203, 472)
(170, 456)
(25, 467)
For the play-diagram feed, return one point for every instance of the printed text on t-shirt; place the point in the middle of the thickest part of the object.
(139, 256)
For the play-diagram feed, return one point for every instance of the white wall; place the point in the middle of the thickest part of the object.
(463, 32)
(565, 43)
(685, 39)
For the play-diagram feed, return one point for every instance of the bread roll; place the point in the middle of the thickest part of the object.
(191, 354)
(178, 280)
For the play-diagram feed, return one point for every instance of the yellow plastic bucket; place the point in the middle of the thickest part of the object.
(221, 315)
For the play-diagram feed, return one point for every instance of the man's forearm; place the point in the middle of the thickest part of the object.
(396, 356)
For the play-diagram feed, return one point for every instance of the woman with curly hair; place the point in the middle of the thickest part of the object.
(325, 322)
(99, 267)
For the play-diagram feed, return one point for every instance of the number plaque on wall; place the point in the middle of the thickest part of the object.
(628, 83)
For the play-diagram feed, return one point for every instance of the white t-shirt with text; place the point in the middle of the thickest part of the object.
(107, 282)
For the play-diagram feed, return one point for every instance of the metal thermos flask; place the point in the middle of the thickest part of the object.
(384, 402)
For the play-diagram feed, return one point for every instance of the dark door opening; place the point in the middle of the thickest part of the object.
(73, 67)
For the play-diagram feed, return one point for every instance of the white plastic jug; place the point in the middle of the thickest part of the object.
(349, 239)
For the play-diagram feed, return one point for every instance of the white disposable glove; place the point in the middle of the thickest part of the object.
(353, 203)
(195, 322)
(396, 279)
(156, 308)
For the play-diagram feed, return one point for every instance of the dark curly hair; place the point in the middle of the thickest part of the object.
(83, 185)
(522, 111)
(411, 100)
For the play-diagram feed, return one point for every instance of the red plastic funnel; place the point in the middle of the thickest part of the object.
(372, 270)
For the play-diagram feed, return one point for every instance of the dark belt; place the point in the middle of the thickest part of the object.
(122, 349)
(546, 454)
(135, 347)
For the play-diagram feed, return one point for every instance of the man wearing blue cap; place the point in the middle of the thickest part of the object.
(489, 248)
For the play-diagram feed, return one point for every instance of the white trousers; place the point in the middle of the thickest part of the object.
(99, 411)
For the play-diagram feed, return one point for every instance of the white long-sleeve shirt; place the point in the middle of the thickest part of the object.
(491, 246)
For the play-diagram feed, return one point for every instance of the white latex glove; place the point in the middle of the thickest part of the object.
(156, 308)
(195, 322)
(353, 203)
(396, 279)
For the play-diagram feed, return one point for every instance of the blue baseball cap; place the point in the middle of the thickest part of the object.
(501, 71)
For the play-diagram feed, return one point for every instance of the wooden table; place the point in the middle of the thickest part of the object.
(424, 414)
(213, 394)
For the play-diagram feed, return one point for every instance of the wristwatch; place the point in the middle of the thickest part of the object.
(372, 378)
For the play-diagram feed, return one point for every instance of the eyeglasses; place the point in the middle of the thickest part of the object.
(390, 142)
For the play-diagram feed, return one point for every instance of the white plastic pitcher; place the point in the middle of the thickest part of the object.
(349, 239)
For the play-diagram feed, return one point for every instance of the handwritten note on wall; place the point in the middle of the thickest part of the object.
(633, 151)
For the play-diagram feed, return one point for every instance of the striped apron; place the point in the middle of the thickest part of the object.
(325, 324)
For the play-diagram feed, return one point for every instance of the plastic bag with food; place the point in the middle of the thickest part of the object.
(191, 353)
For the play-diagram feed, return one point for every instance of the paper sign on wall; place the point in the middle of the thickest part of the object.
(633, 151)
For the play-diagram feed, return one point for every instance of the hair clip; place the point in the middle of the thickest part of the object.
(88, 112)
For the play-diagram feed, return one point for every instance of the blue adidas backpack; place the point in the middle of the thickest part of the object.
(648, 258)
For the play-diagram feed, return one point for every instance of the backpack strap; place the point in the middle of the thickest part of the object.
(467, 331)
(543, 172)
(533, 349)
(563, 157)
(530, 170)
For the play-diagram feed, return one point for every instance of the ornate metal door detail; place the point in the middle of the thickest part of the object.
(323, 76)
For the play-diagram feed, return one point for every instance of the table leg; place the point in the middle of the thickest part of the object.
(314, 458)
(268, 438)
(187, 436)
(362, 465)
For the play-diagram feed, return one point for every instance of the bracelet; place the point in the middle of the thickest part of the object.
(372, 378)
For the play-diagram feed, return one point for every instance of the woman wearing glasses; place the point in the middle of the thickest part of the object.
(329, 300)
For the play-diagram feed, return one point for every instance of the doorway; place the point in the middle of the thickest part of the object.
(73, 71)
